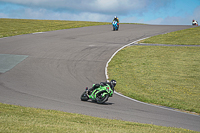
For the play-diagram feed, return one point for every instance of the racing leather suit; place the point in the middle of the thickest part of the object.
(98, 85)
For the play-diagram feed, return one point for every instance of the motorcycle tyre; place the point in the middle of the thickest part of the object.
(84, 97)
(104, 99)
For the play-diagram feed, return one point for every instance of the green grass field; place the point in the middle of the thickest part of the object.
(167, 76)
(143, 73)
(183, 37)
(17, 119)
(12, 27)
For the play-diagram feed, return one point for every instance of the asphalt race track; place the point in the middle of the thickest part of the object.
(56, 67)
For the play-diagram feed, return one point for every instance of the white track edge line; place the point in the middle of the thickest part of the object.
(117, 52)
(38, 33)
(24, 34)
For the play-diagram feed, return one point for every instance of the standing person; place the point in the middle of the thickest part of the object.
(194, 22)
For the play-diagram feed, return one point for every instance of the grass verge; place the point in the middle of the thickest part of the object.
(17, 119)
(167, 76)
(12, 27)
(183, 37)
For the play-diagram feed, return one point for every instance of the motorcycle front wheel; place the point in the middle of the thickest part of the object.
(84, 97)
(103, 99)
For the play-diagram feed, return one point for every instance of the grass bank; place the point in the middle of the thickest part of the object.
(183, 37)
(167, 76)
(12, 27)
(17, 119)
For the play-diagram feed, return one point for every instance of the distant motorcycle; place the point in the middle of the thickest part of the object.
(115, 25)
(99, 95)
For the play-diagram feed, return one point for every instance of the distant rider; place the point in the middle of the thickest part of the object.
(112, 84)
(116, 19)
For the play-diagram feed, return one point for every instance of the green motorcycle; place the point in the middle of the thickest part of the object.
(99, 95)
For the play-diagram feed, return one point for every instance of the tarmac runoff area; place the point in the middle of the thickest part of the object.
(8, 61)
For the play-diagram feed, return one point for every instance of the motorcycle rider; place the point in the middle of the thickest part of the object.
(112, 84)
(116, 19)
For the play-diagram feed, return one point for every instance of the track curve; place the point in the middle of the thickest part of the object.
(60, 64)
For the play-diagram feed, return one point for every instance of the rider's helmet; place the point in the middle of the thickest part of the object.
(113, 82)
(115, 17)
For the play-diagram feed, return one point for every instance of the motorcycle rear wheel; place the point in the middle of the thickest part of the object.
(84, 97)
